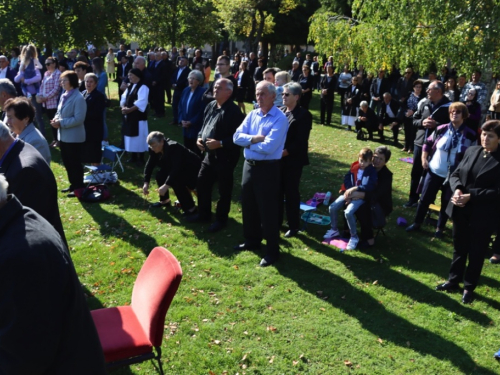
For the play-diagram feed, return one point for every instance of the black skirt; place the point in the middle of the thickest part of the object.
(241, 94)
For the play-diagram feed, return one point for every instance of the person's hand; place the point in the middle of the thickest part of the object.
(348, 192)
(162, 190)
(429, 123)
(22, 79)
(199, 144)
(362, 118)
(456, 196)
(376, 99)
(394, 124)
(425, 164)
(145, 188)
(123, 86)
(258, 138)
(284, 153)
(324, 91)
(381, 127)
(409, 113)
(126, 110)
(349, 101)
(186, 124)
(212, 144)
(55, 123)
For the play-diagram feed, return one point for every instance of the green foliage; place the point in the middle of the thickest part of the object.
(61, 24)
(412, 32)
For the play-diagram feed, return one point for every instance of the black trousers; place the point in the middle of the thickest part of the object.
(175, 105)
(341, 92)
(180, 187)
(168, 91)
(395, 129)
(70, 154)
(327, 108)
(289, 189)
(364, 216)
(305, 100)
(190, 143)
(409, 132)
(370, 127)
(260, 202)
(212, 170)
(432, 184)
(469, 241)
(416, 173)
(51, 114)
(157, 99)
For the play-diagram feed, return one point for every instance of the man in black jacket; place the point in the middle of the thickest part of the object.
(379, 86)
(431, 113)
(156, 93)
(42, 307)
(179, 83)
(366, 119)
(222, 118)
(389, 116)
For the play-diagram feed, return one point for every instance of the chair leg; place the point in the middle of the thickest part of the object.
(158, 358)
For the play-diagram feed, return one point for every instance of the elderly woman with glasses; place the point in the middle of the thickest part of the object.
(306, 81)
(294, 156)
(442, 152)
(69, 120)
(191, 109)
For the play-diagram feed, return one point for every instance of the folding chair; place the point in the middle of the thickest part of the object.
(106, 170)
(129, 333)
(119, 154)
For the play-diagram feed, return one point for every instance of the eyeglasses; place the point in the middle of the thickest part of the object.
(471, 93)
(48, 63)
(287, 94)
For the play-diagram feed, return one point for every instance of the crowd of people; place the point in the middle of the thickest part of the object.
(454, 150)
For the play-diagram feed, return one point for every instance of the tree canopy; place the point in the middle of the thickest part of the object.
(419, 33)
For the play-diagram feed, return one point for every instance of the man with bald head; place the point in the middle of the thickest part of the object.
(263, 135)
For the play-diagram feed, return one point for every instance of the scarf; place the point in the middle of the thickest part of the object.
(452, 141)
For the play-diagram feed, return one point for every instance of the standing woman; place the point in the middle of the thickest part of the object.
(474, 110)
(69, 120)
(294, 156)
(452, 91)
(327, 84)
(411, 108)
(134, 104)
(351, 103)
(235, 66)
(29, 76)
(14, 59)
(344, 79)
(191, 109)
(94, 120)
(110, 64)
(494, 109)
(474, 209)
(102, 83)
(243, 79)
(306, 80)
(49, 93)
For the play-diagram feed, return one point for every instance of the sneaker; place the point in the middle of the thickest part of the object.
(353, 242)
(331, 233)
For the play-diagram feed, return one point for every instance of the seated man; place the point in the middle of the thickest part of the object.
(43, 311)
(366, 119)
(179, 169)
(388, 116)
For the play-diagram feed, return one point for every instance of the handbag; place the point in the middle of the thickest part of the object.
(378, 216)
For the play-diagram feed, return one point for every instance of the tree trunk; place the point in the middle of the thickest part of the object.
(265, 52)
(273, 60)
(48, 49)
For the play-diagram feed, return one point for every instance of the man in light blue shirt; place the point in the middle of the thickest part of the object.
(262, 135)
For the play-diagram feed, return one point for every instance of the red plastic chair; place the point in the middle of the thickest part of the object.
(129, 333)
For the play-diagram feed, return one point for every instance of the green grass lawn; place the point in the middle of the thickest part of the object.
(318, 311)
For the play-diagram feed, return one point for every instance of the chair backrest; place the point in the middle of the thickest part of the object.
(154, 289)
(108, 153)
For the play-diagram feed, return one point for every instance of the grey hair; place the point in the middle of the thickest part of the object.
(141, 58)
(155, 137)
(4, 132)
(4, 57)
(294, 88)
(270, 87)
(7, 87)
(91, 75)
(363, 104)
(197, 75)
(387, 94)
(228, 82)
(4, 186)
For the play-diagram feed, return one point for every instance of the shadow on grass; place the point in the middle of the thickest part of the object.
(372, 314)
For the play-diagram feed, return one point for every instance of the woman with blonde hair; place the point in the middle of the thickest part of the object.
(29, 76)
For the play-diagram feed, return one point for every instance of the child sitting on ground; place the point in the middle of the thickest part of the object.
(363, 175)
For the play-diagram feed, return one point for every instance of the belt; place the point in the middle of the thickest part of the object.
(259, 162)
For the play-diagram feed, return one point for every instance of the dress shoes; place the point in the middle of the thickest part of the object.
(448, 287)
(244, 246)
(216, 226)
(196, 218)
(187, 214)
(292, 233)
(413, 228)
(410, 204)
(467, 297)
(268, 260)
(71, 195)
(67, 190)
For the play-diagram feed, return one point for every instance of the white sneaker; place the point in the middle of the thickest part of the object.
(331, 233)
(353, 242)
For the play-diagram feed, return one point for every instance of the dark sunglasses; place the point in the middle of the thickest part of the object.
(287, 94)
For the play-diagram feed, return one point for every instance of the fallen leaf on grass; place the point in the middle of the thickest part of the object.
(322, 308)
(295, 363)
(348, 363)
(244, 357)
(271, 328)
(272, 359)
(380, 340)
(236, 267)
(375, 282)
(216, 342)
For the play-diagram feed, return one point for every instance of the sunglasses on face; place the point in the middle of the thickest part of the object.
(287, 94)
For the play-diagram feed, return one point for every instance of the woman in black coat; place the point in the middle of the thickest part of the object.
(474, 209)
(179, 169)
(94, 120)
(294, 156)
(306, 80)
(327, 85)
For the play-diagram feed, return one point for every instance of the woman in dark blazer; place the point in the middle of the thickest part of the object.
(294, 156)
(69, 120)
(94, 120)
(327, 85)
(179, 169)
(243, 79)
(191, 109)
(306, 80)
(474, 209)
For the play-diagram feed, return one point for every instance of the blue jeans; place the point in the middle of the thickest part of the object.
(349, 212)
